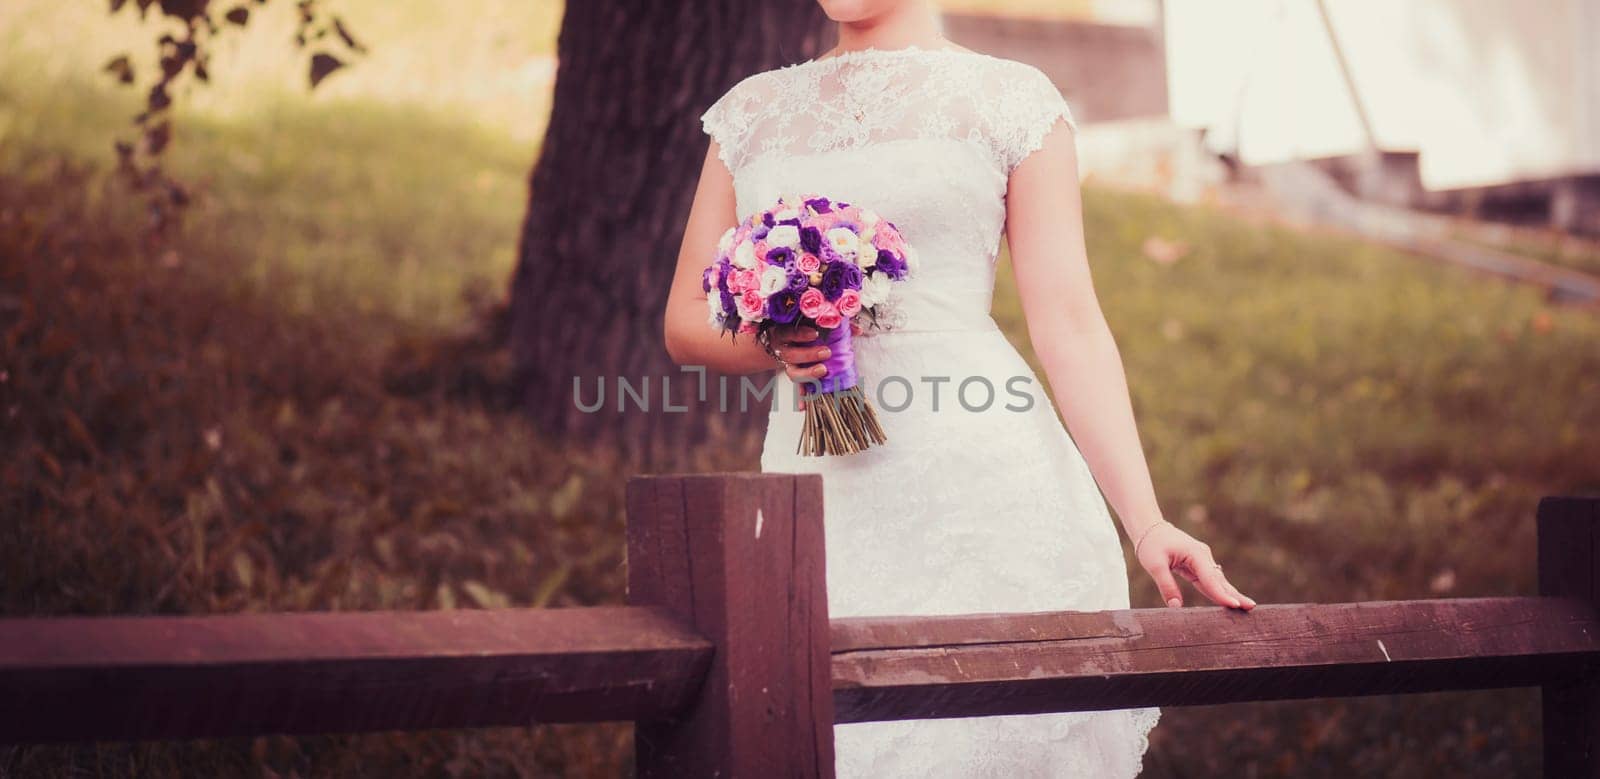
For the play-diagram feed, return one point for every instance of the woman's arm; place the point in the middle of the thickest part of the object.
(689, 339)
(1044, 227)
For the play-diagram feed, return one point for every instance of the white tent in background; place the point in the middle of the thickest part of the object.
(1487, 92)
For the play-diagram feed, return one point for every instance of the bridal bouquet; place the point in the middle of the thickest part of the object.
(810, 261)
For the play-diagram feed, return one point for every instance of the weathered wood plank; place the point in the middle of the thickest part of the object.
(903, 668)
(160, 677)
(740, 558)
(1569, 567)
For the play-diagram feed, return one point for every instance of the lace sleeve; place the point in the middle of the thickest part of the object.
(1029, 108)
(728, 121)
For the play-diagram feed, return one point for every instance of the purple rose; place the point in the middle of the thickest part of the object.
(784, 306)
(797, 281)
(819, 204)
(891, 264)
(768, 219)
(811, 239)
(726, 267)
(852, 275)
(793, 220)
(705, 279)
(759, 232)
(837, 278)
(781, 255)
(729, 307)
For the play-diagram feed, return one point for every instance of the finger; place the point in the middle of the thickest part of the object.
(1213, 583)
(1249, 602)
(805, 354)
(1168, 586)
(804, 373)
(796, 335)
(1215, 587)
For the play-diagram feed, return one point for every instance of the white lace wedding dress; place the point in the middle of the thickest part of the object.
(962, 511)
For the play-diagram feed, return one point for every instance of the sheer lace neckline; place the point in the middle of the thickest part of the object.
(852, 55)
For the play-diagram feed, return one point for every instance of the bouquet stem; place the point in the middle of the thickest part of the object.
(838, 418)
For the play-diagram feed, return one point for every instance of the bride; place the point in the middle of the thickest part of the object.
(980, 501)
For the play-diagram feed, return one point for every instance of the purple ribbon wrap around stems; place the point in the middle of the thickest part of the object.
(841, 362)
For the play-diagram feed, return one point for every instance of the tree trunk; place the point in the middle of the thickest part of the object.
(607, 202)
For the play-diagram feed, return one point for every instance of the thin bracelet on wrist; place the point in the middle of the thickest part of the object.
(1153, 526)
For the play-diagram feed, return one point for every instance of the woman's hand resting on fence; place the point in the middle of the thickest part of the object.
(1165, 548)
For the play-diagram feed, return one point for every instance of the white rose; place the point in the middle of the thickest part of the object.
(726, 241)
(787, 236)
(869, 218)
(787, 213)
(745, 256)
(844, 242)
(874, 289)
(773, 279)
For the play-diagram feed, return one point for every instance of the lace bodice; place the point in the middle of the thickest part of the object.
(927, 138)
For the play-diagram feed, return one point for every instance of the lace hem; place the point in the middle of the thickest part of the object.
(1110, 744)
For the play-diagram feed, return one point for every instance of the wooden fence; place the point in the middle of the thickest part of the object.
(727, 661)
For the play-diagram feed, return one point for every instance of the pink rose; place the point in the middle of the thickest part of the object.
(849, 302)
(886, 238)
(761, 250)
(828, 316)
(751, 304)
(811, 302)
(808, 263)
(743, 280)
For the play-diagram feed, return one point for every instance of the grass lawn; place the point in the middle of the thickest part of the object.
(297, 406)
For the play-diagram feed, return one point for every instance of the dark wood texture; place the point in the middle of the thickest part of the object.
(905, 668)
(739, 557)
(608, 199)
(727, 659)
(124, 678)
(1569, 567)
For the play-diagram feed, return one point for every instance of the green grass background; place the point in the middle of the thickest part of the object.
(298, 405)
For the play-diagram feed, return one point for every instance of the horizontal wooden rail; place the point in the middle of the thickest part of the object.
(981, 664)
(118, 678)
(729, 664)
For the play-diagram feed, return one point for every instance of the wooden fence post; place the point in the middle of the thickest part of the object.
(1569, 566)
(740, 558)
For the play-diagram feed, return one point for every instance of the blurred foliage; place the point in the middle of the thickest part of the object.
(298, 405)
(183, 52)
(293, 407)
